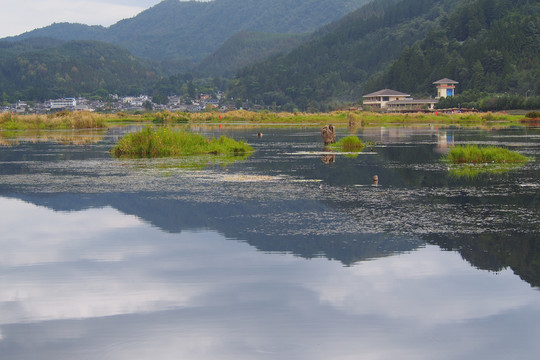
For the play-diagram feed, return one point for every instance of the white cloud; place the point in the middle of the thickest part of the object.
(25, 15)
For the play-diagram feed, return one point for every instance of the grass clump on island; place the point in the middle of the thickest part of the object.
(348, 144)
(471, 160)
(165, 142)
(473, 154)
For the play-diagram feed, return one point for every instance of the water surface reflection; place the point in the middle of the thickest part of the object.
(101, 284)
(278, 256)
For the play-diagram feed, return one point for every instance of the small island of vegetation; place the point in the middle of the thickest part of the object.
(165, 142)
(471, 160)
(473, 154)
(348, 144)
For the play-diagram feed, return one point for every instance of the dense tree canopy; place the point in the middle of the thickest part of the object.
(488, 46)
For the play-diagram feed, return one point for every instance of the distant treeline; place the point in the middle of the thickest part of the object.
(489, 102)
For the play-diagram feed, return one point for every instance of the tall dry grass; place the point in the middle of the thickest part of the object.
(60, 120)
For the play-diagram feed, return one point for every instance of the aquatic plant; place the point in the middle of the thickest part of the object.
(471, 160)
(473, 154)
(165, 142)
(348, 144)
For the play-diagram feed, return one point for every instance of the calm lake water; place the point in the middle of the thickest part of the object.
(289, 254)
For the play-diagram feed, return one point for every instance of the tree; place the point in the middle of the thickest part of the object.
(147, 105)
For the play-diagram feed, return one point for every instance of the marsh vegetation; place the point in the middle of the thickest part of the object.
(471, 160)
(473, 154)
(88, 120)
(164, 142)
(59, 120)
(348, 144)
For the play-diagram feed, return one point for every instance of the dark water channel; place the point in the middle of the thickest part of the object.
(290, 254)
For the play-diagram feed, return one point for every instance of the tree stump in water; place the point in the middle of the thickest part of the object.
(328, 134)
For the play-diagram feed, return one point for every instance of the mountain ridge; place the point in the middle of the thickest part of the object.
(180, 30)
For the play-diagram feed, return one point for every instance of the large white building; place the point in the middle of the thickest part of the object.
(397, 101)
(380, 98)
(67, 103)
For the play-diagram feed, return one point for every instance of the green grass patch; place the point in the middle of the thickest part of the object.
(164, 142)
(472, 154)
(471, 160)
(348, 144)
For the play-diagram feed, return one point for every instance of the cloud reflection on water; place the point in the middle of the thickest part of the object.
(101, 284)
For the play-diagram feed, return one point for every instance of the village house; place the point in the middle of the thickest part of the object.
(411, 104)
(393, 100)
(67, 103)
(379, 99)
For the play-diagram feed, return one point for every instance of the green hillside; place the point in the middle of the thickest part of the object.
(489, 46)
(192, 30)
(246, 48)
(486, 45)
(32, 72)
(334, 65)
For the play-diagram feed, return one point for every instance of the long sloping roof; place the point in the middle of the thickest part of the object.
(446, 81)
(386, 92)
(412, 102)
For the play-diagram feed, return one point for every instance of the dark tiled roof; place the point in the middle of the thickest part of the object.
(446, 81)
(386, 92)
(412, 101)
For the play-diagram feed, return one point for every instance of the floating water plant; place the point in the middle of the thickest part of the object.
(164, 142)
(471, 160)
(348, 144)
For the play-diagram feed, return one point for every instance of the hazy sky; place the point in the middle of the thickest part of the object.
(19, 16)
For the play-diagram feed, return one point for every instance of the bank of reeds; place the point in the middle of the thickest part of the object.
(352, 118)
(60, 120)
(473, 154)
(164, 142)
(81, 120)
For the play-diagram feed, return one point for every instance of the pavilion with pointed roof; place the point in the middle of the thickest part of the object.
(445, 87)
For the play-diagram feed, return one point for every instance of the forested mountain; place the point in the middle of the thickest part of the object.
(486, 45)
(192, 30)
(341, 57)
(246, 48)
(40, 69)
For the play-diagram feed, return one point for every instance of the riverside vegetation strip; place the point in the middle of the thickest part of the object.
(85, 119)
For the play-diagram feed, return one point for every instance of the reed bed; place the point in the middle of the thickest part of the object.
(164, 142)
(351, 118)
(348, 144)
(86, 120)
(473, 154)
(60, 120)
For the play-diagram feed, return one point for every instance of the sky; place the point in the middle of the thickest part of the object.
(19, 16)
